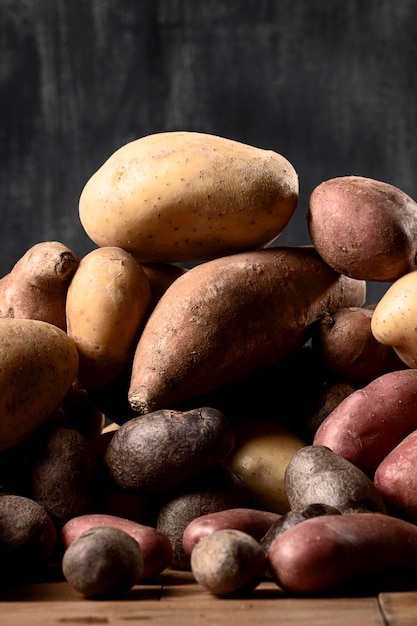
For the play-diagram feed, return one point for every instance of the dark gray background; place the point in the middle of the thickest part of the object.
(330, 84)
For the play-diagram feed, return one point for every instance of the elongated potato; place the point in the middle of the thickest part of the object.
(107, 303)
(39, 363)
(324, 552)
(364, 228)
(367, 424)
(186, 196)
(36, 287)
(229, 317)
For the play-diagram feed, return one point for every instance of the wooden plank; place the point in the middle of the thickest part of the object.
(399, 608)
(178, 600)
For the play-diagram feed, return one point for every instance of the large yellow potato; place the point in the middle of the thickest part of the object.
(107, 303)
(186, 196)
(38, 364)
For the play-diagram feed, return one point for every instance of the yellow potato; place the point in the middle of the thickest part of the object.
(188, 196)
(38, 365)
(394, 318)
(261, 454)
(107, 303)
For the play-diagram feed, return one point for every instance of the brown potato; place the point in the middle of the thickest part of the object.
(63, 474)
(206, 330)
(348, 349)
(39, 363)
(316, 475)
(103, 561)
(36, 287)
(28, 538)
(217, 489)
(228, 563)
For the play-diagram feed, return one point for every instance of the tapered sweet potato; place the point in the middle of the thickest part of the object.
(36, 287)
(364, 228)
(231, 316)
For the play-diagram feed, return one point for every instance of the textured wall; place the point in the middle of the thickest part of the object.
(331, 85)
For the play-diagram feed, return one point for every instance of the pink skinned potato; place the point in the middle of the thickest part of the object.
(372, 420)
(331, 550)
(396, 478)
(155, 546)
(254, 522)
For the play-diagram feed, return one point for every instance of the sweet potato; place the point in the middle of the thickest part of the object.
(107, 303)
(187, 196)
(396, 480)
(231, 316)
(316, 475)
(36, 287)
(369, 423)
(325, 552)
(39, 363)
(364, 228)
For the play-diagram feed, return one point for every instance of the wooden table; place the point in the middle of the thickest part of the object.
(176, 600)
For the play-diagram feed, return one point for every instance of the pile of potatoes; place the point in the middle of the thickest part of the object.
(249, 417)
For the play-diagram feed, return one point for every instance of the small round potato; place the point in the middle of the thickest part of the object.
(103, 561)
(228, 562)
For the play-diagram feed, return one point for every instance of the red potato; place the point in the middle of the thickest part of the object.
(396, 479)
(207, 330)
(364, 228)
(36, 287)
(253, 522)
(155, 546)
(370, 422)
(327, 551)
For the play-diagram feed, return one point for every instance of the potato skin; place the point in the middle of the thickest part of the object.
(228, 563)
(187, 196)
(367, 424)
(154, 452)
(395, 478)
(253, 522)
(348, 349)
(39, 363)
(206, 330)
(36, 287)
(103, 561)
(316, 474)
(364, 228)
(155, 546)
(262, 451)
(331, 550)
(107, 303)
